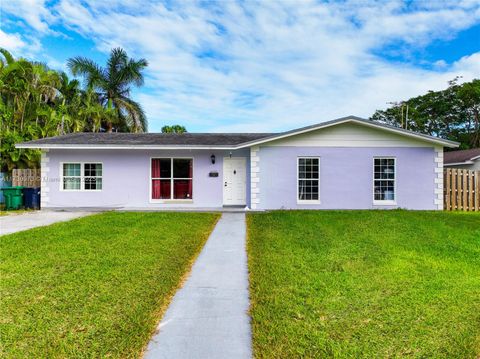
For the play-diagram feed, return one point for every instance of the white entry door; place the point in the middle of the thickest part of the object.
(234, 181)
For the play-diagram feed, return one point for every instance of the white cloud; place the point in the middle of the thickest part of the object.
(11, 42)
(268, 65)
(18, 45)
(34, 13)
(468, 65)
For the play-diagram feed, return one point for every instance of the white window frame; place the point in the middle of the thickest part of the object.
(171, 199)
(82, 176)
(385, 202)
(308, 201)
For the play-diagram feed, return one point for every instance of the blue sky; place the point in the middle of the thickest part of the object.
(258, 66)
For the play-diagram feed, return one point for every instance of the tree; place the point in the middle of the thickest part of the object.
(174, 129)
(113, 84)
(37, 102)
(469, 95)
(452, 113)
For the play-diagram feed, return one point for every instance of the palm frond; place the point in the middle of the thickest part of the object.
(135, 114)
(94, 75)
(132, 72)
(8, 56)
(117, 60)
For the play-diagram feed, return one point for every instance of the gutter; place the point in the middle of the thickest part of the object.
(120, 147)
(459, 163)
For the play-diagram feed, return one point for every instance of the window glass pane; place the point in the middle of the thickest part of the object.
(93, 183)
(308, 190)
(384, 191)
(93, 169)
(182, 168)
(92, 179)
(165, 167)
(182, 189)
(71, 183)
(155, 167)
(161, 168)
(302, 169)
(161, 189)
(71, 169)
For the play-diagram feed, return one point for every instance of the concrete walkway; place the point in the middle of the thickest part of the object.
(12, 223)
(208, 316)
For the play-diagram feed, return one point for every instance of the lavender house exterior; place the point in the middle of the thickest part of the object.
(348, 163)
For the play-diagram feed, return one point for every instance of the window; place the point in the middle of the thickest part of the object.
(92, 176)
(82, 176)
(308, 179)
(384, 180)
(171, 178)
(72, 176)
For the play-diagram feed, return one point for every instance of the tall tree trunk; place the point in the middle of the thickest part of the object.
(63, 119)
(109, 123)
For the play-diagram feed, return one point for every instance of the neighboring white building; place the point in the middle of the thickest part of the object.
(465, 159)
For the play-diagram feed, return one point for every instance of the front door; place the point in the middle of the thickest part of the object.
(234, 181)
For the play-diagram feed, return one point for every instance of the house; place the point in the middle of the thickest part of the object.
(465, 159)
(347, 163)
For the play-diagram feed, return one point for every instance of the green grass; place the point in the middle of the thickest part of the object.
(365, 284)
(96, 286)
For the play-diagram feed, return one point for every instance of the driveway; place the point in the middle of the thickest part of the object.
(19, 222)
(208, 317)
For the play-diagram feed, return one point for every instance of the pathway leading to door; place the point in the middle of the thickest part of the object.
(208, 316)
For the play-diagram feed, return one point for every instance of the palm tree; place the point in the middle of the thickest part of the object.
(112, 84)
(70, 105)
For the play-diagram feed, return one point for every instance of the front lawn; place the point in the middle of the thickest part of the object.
(95, 286)
(365, 284)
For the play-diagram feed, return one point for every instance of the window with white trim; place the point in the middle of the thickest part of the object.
(384, 180)
(82, 176)
(308, 179)
(171, 178)
(92, 178)
(72, 177)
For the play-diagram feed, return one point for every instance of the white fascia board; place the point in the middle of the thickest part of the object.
(459, 163)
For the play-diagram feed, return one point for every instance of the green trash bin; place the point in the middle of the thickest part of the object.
(13, 197)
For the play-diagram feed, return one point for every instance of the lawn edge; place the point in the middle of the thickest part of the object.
(169, 297)
(47, 225)
(250, 289)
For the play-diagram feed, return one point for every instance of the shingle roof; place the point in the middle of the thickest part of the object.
(461, 156)
(145, 139)
(204, 140)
